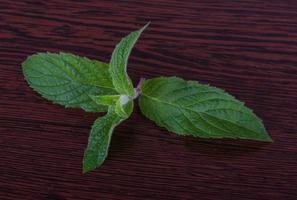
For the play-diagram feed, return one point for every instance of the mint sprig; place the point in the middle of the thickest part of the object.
(182, 107)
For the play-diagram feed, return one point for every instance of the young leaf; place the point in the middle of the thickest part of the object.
(190, 108)
(124, 106)
(106, 100)
(68, 80)
(100, 137)
(99, 140)
(121, 103)
(118, 63)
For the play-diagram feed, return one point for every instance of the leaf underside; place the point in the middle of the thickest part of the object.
(68, 80)
(191, 108)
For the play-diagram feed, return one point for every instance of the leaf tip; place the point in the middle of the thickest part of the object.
(87, 168)
(268, 138)
(265, 137)
(148, 23)
(145, 26)
(84, 171)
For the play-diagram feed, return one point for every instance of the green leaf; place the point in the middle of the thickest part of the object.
(100, 136)
(122, 103)
(124, 108)
(68, 80)
(99, 140)
(190, 108)
(118, 63)
(106, 100)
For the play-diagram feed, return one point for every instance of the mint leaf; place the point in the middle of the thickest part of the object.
(122, 104)
(190, 108)
(106, 100)
(68, 80)
(99, 140)
(118, 63)
(100, 135)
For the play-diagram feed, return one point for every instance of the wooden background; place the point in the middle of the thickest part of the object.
(247, 47)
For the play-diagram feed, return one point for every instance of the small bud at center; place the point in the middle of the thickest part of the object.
(124, 99)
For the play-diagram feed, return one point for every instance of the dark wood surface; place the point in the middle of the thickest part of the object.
(247, 47)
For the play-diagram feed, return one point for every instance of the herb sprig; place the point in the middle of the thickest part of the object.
(180, 106)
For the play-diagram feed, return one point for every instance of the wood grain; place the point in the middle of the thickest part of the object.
(247, 47)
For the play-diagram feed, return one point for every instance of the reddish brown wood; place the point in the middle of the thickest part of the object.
(247, 47)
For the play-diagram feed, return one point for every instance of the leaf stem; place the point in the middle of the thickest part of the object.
(138, 88)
